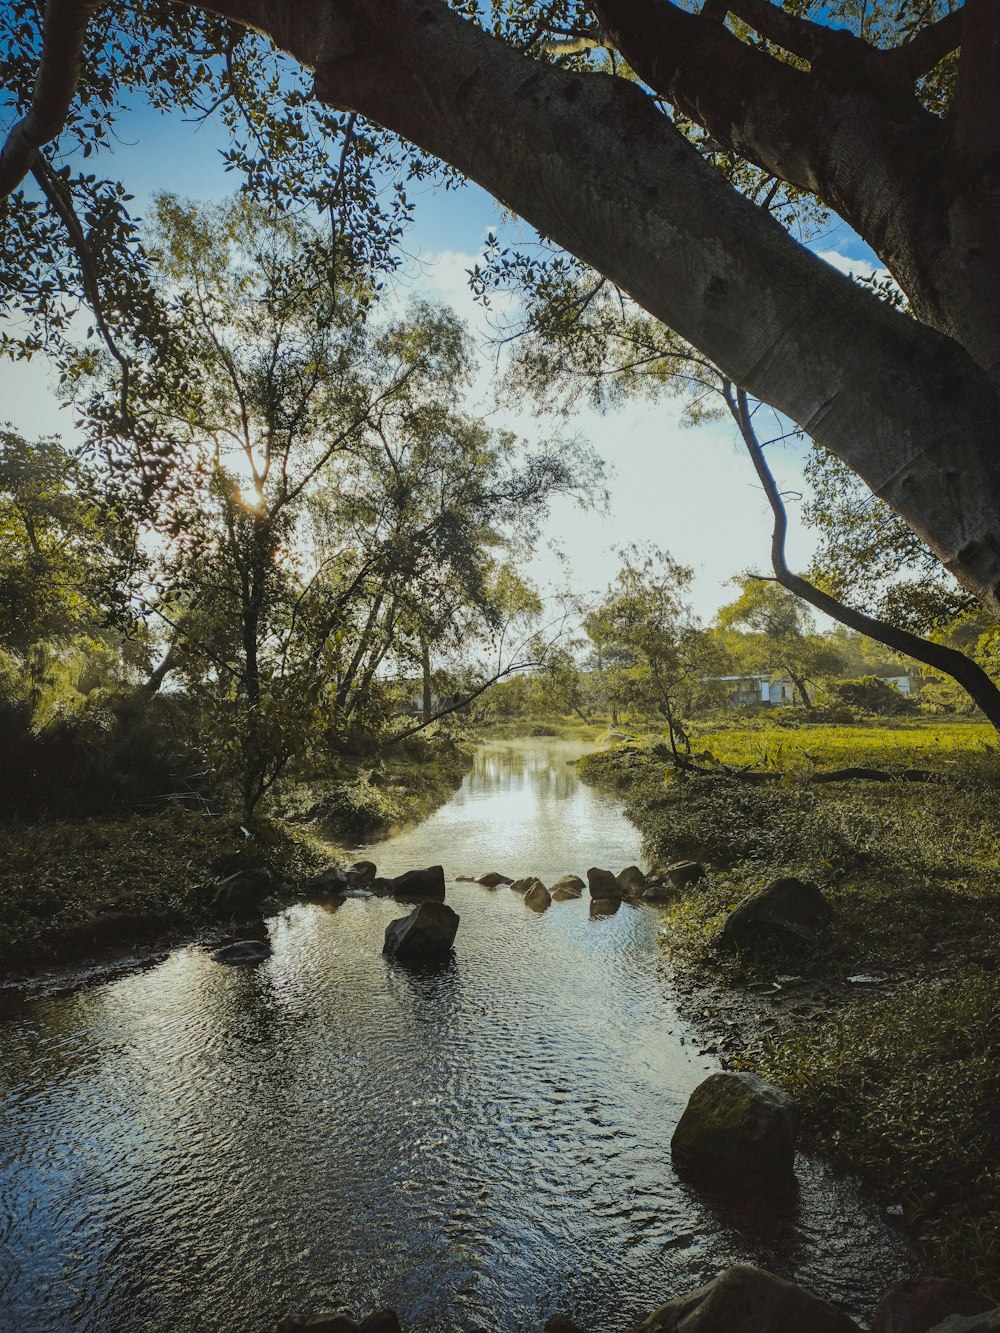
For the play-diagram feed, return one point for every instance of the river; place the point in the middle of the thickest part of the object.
(197, 1147)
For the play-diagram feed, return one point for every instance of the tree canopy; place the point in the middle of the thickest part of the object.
(660, 144)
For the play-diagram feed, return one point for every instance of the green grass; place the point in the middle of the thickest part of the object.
(906, 1092)
(762, 743)
(903, 1090)
(65, 871)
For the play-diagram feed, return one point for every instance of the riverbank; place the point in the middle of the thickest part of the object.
(82, 890)
(888, 1031)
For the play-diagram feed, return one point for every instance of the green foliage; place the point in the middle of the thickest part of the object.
(779, 635)
(651, 653)
(53, 874)
(905, 1092)
(872, 694)
(901, 1090)
(870, 559)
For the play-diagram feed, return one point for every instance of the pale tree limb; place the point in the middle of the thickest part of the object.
(64, 32)
(963, 670)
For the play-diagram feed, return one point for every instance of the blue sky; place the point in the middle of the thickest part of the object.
(691, 491)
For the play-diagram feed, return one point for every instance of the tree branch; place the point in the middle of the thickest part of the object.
(64, 31)
(928, 47)
(963, 670)
(62, 205)
(796, 35)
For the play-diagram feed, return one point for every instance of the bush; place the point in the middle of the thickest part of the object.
(874, 695)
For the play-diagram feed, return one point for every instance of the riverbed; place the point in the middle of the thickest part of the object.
(478, 1146)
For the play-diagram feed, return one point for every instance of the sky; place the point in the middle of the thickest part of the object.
(691, 491)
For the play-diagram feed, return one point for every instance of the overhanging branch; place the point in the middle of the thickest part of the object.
(64, 31)
(62, 205)
(963, 670)
(928, 48)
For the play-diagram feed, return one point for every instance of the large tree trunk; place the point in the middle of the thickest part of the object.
(594, 163)
(595, 166)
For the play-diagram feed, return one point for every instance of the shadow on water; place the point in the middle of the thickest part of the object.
(477, 1144)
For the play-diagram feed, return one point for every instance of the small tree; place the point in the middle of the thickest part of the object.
(781, 634)
(654, 652)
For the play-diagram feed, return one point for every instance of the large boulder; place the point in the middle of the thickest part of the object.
(425, 936)
(918, 1304)
(603, 884)
(538, 897)
(569, 886)
(787, 909)
(659, 893)
(736, 1125)
(492, 879)
(747, 1300)
(331, 880)
(413, 885)
(243, 893)
(632, 882)
(604, 906)
(683, 873)
(988, 1322)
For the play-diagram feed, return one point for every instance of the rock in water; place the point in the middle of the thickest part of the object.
(382, 1321)
(603, 884)
(747, 1300)
(569, 886)
(788, 909)
(737, 1126)
(989, 1322)
(632, 882)
(243, 951)
(413, 885)
(604, 906)
(918, 1304)
(425, 936)
(523, 885)
(537, 897)
(683, 873)
(243, 891)
(492, 878)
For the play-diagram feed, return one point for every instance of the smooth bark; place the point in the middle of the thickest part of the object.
(911, 405)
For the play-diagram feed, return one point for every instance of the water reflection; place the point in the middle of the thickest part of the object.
(478, 1145)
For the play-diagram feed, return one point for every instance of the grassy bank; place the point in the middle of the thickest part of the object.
(898, 1074)
(56, 875)
(149, 871)
(373, 796)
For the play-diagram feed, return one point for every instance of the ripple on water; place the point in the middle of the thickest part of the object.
(478, 1145)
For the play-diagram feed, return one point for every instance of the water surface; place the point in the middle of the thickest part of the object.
(202, 1147)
